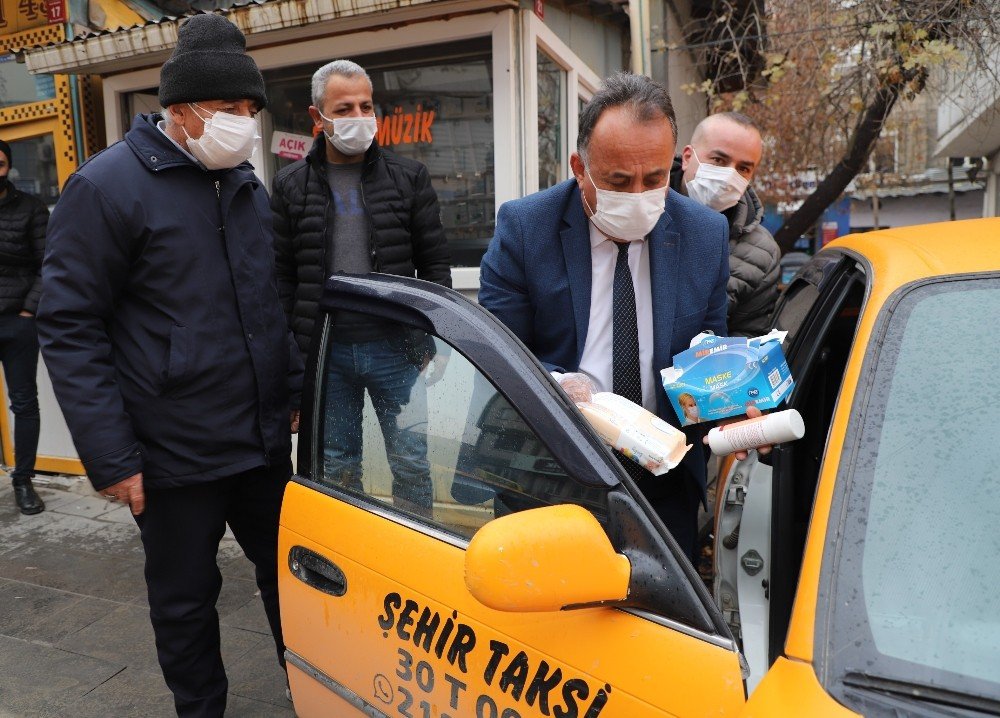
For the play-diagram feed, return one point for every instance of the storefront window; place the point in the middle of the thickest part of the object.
(434, 105)
(551, 91)
(18, 86)
(33, 167)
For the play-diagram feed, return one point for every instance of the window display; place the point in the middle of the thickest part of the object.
(18, 87)
(33, 168)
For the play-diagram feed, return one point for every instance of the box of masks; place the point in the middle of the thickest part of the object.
(719, 377)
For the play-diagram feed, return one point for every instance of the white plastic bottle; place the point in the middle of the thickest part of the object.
(768, 429)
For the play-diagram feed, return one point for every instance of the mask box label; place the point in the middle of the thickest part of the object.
(719, 377)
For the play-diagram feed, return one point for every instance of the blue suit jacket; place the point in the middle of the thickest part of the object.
(536, 277)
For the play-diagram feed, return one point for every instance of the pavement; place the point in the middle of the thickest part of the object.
(75, 639)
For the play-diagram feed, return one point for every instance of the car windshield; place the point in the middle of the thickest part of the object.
(915, 579)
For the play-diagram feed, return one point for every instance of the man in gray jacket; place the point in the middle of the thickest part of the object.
(716, 170)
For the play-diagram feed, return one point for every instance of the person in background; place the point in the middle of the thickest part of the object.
(168, 348)
(716, 170)
(351, 206)
(23, 219)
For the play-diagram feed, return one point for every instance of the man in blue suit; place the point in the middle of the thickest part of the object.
(609, 275)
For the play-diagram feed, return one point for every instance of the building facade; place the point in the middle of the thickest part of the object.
(969, 126)
(484, 92)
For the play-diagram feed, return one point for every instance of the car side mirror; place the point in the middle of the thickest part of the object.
(545, 559)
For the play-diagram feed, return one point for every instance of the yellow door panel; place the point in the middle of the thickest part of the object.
(408, 638)
(312, 698)
(791, 688)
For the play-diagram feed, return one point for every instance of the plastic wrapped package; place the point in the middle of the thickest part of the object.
(637, 433)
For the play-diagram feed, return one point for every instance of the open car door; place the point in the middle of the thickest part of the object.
(764, 503)
(428, 424)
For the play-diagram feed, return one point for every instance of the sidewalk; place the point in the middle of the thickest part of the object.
(75, 639)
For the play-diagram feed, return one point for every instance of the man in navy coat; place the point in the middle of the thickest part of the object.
(168, 347)
(566, 261)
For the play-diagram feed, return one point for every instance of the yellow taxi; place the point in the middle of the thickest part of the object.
(460, 544)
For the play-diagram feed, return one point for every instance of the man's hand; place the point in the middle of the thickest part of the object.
(438, 364)
(752, 413)
(578, 386)
(128, 492)
(25, 313)
(293, 421)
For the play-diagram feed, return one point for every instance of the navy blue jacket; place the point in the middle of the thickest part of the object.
(160, 321)
(536, 278)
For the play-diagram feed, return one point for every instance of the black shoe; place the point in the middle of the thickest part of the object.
(27, 500)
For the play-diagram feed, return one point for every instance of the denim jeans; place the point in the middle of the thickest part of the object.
(19, 355)
(383, 369)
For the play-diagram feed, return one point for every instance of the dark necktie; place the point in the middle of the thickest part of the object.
(625, 378)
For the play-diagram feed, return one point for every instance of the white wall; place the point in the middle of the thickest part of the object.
(675, 67)
(600, 45)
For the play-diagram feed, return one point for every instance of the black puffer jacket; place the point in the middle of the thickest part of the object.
(23, 219)
(406, 233)
(754, 260)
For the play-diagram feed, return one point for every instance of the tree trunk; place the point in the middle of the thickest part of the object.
(827, 192)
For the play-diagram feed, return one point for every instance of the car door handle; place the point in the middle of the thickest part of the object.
(317, 571)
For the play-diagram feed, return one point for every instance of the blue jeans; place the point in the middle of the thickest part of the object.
(383, 369)
(19, 355)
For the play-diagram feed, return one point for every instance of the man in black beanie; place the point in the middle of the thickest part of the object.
(22, 243)
(168, 349)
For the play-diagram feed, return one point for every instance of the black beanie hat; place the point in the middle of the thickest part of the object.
(210, 63)
(5, 148)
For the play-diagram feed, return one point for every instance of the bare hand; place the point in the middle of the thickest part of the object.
(25, 313)
(128, 492)
(752, 413)
(578, 386)
(293, 420)
(438, 364)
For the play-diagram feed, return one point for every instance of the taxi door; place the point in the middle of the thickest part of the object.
(425, 419)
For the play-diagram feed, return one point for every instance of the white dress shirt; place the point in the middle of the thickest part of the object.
(596, 359)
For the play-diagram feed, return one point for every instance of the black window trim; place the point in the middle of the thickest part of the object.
(843, 270)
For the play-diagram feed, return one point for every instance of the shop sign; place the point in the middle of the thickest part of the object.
(19, 15)
(291, 146)
(406, 128)
(55, 11)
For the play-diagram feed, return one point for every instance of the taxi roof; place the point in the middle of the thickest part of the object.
(905, 254)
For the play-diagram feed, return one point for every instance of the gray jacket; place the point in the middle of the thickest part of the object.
(754, 260)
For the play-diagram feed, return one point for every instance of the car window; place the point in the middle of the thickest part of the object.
(799, 299)
(408, 422)
(914, 586)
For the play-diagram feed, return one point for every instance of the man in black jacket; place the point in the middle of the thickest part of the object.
(22, 244)
(168, 349)
(716, 170)
(352, 207)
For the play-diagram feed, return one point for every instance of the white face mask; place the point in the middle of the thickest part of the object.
(718, 188)
(691, 412)
(228, 140)
(627, 215)
(352, 135)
